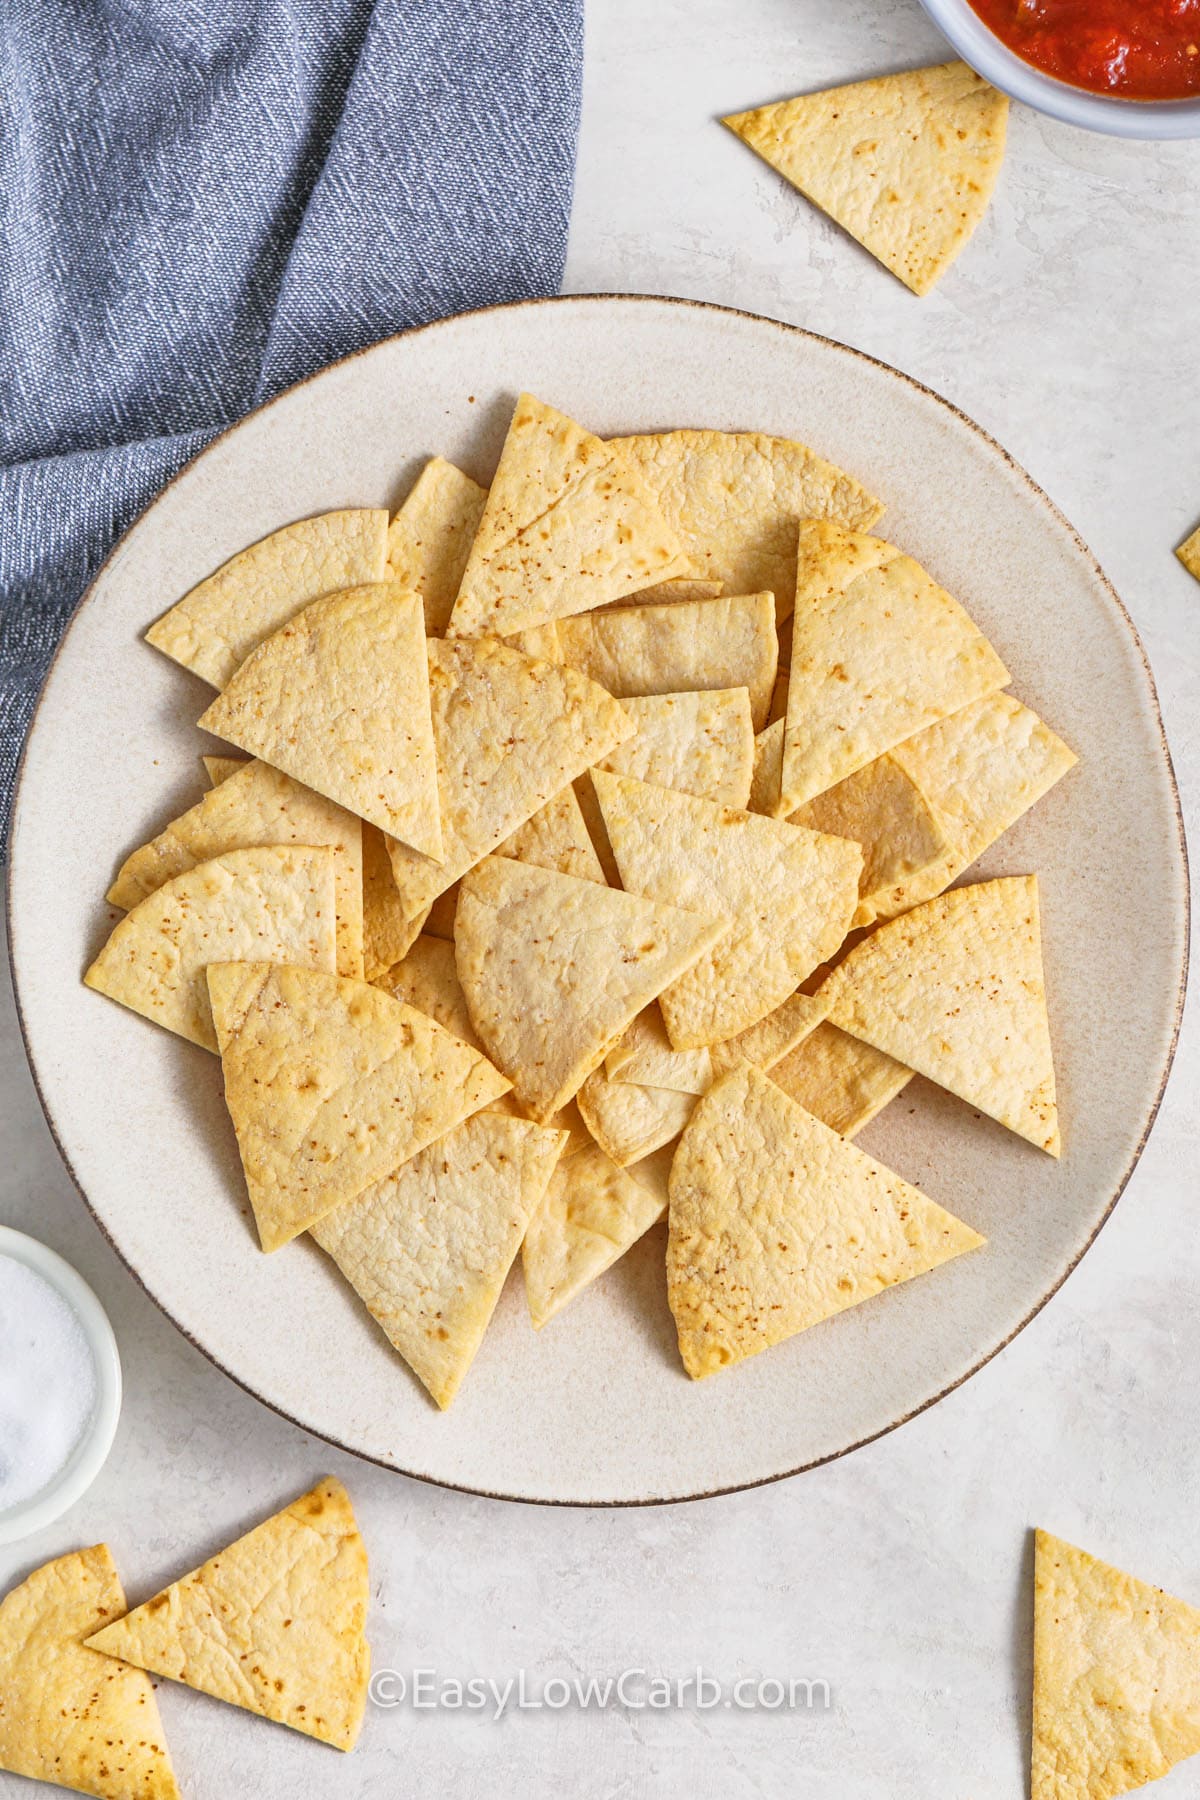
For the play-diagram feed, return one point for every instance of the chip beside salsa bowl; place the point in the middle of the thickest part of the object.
(1104, 70)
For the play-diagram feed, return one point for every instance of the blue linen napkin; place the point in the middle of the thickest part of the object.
(202, 202)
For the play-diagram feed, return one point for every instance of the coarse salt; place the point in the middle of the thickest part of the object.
(47, 1382)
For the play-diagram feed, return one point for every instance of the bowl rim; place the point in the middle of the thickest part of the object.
(91, 1452)
(1112, 114)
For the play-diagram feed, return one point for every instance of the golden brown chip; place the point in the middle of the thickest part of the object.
(701, 743)
(429, 1249)
(1189, 553)
(339, 699)
(569, 523)
(1116, 1677)
(213, 629)
(430, 538)
(735, 498)
(275, 902)
(776, 1223)
(955, 990)
(331, 1085)
(629, 1119)
(251, 805)
(67, 1714)
(839, 1079)
(879, 651)
(905, 163)
(555, 969)
(592, 1213)
(882, 808)
(274, 1622)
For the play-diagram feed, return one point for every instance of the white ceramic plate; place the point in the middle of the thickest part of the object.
(597, 1408)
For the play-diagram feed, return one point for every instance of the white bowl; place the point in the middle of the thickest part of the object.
(91, 1452)
(992, 59)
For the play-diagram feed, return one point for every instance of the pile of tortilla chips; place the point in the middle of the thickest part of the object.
(587, 857)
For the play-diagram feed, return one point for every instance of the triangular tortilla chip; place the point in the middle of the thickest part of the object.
(556, 837)
(555, 969)
(511, 732)
(568, 524)
(777, 1223)
(429, 1249)
(430, 538)
(701, 743)
(882, 808)
(735, 498)
(1116, 1677)
(593, 1211)
(387, 934)
(220, 768)
(628, 1119)
(688, 644)
(645, 1055)
(274, 902)
(839, 1079)
(427, 978)
(253, 805)
(1189, 554)
(878, 651)
(213, 629)
(788, 893)
(67, 1714)
(331, 1085)
(980, 770)
(765, 791)
(955, 990)
(339, 698)
(273, 1623)
(905, 163)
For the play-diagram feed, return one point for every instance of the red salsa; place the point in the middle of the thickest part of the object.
(1140, 49)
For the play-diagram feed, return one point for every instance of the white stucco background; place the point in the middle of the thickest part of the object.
(900, 1575)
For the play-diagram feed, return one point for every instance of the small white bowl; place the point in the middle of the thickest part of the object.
(992, 59)
(91, 1452)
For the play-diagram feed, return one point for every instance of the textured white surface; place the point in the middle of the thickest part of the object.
(900, 1574)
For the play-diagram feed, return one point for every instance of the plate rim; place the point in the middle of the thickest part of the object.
(1039, 495)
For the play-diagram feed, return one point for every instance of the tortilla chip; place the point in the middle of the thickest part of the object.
(569, 524)
(788, 893)
(554, 970)
(254, 805)
(689, 644)
(427, 978)
(882, 808)
(629, 1120)
(980, 769)
(213, 629)
(593, 1211)
(220, 768)
(735, 498)
(430, 538)
(67, 1714)
(331, 1085)
(766, 773)
(777, 1223)
(955, 990)
(768, 1042)
(439, 920)
(510, 733)
(339, 699)
(701, 743)
(839, 1079)
(556, 837)
(680, 587)
(905, 163)
(429, 1249)
(387, 934)
(1189, 553)
(879, 651)
(1116, 1677)
(275, 903)
(273, 1623)
(644, 1055)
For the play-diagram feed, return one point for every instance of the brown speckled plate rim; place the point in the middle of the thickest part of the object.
(1038, 495)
